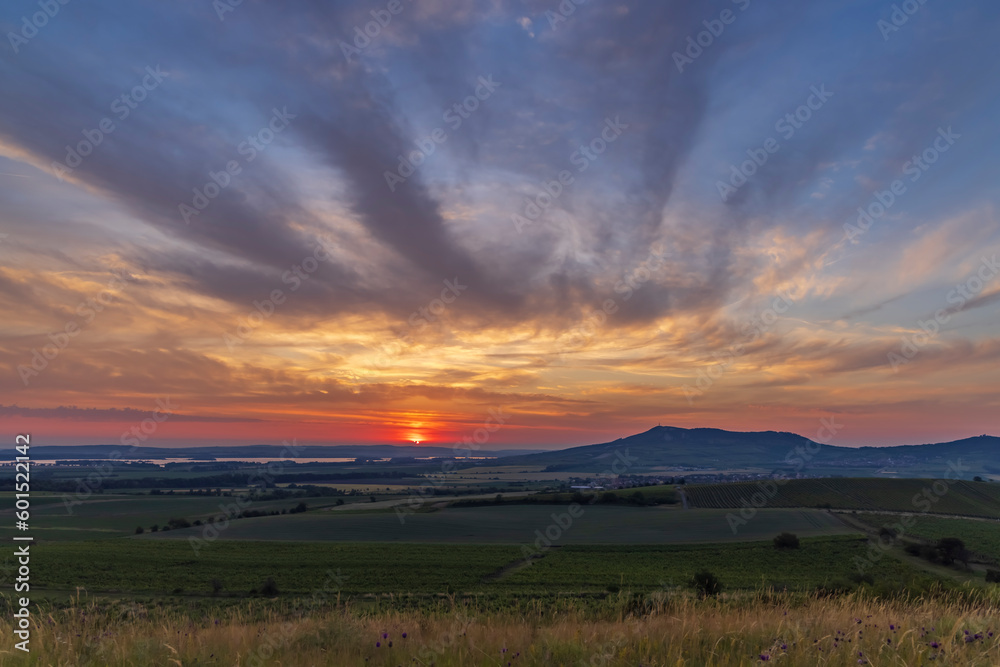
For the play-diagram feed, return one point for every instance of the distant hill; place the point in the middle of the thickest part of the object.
(250, 451)
(716, 449)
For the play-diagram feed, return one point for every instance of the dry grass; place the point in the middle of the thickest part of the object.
(668, 631)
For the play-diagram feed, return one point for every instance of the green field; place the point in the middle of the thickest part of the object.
(366, 568)
(982, 537)
(516, 524)
(105, 516)
(296, 567)
(660, 494)
(746, 565)
(901, 495)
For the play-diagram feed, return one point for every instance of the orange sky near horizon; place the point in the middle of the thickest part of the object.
(593, 249)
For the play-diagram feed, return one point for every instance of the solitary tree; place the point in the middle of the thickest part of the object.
(951, 549)
(786, 541)
(706, 583)
(269, 588)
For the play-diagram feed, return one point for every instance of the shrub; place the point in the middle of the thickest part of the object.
(139, 530)
(216, 587)
(786, 541)
(608, 498)
(993, 576)
(837, 586)
(179, 523)
(862, 578)
(951, 549)
(269, 588)
(706, 583)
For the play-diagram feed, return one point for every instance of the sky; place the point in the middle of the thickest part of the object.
(395, 221)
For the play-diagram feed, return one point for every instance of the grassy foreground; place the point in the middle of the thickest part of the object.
(651, 631)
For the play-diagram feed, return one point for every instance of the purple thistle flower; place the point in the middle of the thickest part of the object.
(764, 657)
(378, 644)
(404, 635)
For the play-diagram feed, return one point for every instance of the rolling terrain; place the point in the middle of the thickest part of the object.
(715, 449)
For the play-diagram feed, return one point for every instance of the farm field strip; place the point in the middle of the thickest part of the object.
(362, 569)
(982, 537)
(517, 524)
(906, 495)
